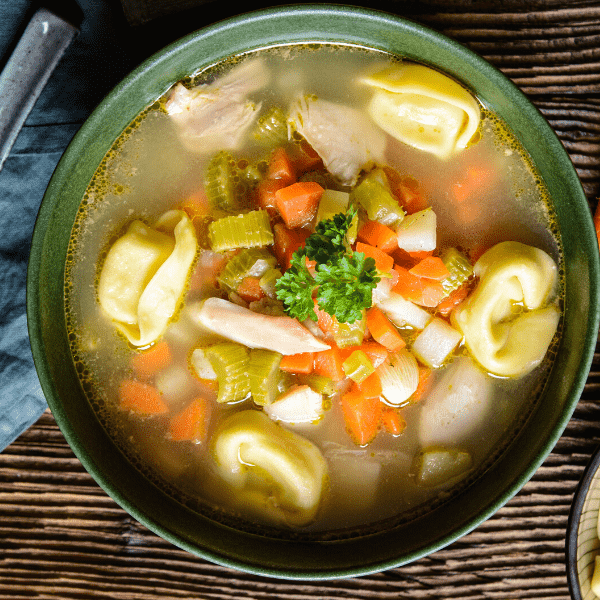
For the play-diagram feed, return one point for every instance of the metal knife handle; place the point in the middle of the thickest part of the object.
(29, 67)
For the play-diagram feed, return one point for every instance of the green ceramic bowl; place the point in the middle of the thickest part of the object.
(259, 554)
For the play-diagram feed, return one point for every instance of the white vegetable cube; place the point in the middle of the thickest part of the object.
(436, 342)
(300, 404)
(458, 406)
(417, 232)
(402, 312)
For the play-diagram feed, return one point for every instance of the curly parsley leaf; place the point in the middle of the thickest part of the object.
(295, 289)
(344, 279)
(346, 287)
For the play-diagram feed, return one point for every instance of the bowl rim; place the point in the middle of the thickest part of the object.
(572, 539)
(311, 20)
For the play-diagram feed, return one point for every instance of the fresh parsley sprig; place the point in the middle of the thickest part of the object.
(344, 279)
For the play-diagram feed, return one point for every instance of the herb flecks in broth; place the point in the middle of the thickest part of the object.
(320, 371)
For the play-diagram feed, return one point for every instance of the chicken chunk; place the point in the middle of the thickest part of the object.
(342, 136)
(254, 330)
(215, 116)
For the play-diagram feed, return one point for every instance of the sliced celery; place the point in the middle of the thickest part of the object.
(268, 280)
(320, 383)
(460, 269)
(331, 203)
(373, 193)
(350, 334)
(271, 128)
(358, 366)
(223, 184)
(247, 230)
(230, 362)
(264, 373)
(250, 262)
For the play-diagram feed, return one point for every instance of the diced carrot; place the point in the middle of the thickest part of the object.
(383, 331)
(407, 191)
(146, 364)
(280, 167)
(298, 203)
(287, 241)
(471, 183)
(196, 205)
(393, 422)
(264, 195)
(377, 353)
(597, 221)
(422, 386)
(422, 291)
(298, 363)
(362, 416)
(249, 289)
(141, 398)
(404, 259)
(431, 267)
(329, 363)
(370, 387)
(191, 423)
(305, 158)
(379, 235)
(383, 262)
(452, 300)
(325, 321)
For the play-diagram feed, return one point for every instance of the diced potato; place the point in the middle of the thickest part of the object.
(436, 343)
(402, 312)
(417, 232)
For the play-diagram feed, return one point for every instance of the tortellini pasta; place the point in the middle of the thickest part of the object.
(507, 321)
(270, 467)
(144, 276)
(423, 108)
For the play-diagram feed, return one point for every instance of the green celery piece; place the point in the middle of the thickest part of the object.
(350, 334)
(268, 280)
(460, 269)
(320, 383)
(230, 362)
(247, 230)
(223, 183)
(373, 193)
(358, 366)
(271, 128)
(264, 373)
(249, 262)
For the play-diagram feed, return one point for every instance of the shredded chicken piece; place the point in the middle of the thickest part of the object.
(215, 116)
(342, 136)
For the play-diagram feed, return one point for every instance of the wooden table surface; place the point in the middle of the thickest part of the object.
(62, 537)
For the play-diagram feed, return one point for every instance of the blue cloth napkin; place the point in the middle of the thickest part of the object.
(93, 63)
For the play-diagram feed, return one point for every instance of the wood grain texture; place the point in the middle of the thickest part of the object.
(62, 537)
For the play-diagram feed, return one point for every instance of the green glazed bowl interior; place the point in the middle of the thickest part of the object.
(196, 533)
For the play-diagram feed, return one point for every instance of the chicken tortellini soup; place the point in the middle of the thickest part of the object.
(314, 289)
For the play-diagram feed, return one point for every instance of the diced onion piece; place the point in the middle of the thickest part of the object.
(436, 466)
(436, 342)
(402, 312)
(399, 378)
(201, 364)
(300, 404)
(175, 383)
(417, 232)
